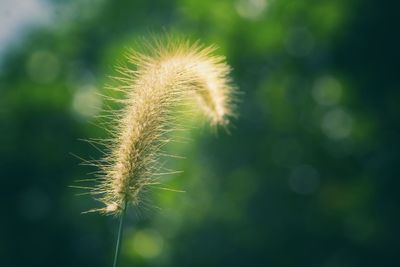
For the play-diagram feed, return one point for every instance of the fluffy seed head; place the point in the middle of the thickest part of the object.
(165, 77)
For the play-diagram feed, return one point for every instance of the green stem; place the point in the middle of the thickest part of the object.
(119, 238)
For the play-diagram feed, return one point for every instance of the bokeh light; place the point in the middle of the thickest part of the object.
(305, 175)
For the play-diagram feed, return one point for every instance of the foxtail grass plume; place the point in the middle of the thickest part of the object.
(167, 75)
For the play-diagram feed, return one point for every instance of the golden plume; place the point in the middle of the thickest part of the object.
(165, 77)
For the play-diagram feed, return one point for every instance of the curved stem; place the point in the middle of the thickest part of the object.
(119, 238)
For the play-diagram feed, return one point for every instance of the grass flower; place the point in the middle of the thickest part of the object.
(168, 75)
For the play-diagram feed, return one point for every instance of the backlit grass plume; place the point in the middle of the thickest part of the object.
(166, 77)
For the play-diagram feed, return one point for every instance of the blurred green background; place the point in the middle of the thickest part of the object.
(307, 176)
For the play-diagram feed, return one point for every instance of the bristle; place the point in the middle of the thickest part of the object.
(165, 78)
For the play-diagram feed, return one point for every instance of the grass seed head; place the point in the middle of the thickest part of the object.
(166, 76)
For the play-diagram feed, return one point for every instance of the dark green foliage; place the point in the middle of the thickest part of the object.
(307, 177)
